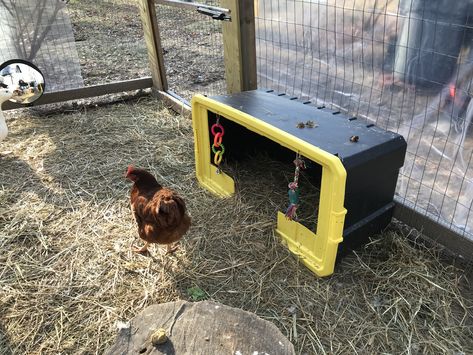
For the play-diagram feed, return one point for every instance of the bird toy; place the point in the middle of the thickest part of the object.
(293, 192)
(217, 147)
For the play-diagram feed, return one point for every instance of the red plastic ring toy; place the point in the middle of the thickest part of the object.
(218, 139)
(217, 125)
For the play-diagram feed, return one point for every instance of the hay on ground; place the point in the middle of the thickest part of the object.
(67, 276)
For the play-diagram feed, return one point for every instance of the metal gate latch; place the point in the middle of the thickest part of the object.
(215, 14)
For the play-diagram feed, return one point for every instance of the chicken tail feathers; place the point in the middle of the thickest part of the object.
(170, 210)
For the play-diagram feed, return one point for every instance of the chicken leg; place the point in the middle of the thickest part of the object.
(171, 248)
(141, 250)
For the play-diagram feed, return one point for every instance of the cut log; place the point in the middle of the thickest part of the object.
(199, 328)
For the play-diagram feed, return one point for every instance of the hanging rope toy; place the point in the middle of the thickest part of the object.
(293, 192)
(217, 147)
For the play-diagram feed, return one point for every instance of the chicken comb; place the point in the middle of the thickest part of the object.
(130, 169)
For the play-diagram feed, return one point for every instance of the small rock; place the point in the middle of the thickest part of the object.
(159, 337)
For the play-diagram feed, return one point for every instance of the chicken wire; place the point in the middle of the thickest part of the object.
(85, 42)
(109, 40)
(193, 50)
(40, 32)
(405, 65)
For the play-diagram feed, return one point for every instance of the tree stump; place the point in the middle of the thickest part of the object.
(199, 328)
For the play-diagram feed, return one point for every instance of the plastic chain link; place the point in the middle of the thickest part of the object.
(217, 147)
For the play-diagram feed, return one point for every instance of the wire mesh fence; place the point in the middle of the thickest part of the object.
(77, 43)
(40, 31)
(109, 40)
(406, 65)
(193, 50)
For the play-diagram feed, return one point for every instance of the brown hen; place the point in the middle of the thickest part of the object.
(159, 212)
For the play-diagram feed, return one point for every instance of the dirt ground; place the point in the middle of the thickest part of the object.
(109, 40)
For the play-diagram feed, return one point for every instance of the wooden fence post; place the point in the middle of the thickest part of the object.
(153, 44)
(240, 45)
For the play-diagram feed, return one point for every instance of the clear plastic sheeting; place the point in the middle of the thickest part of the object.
(405, 65)
(40, 32)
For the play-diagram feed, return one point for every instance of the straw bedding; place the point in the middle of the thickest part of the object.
(67, 275)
